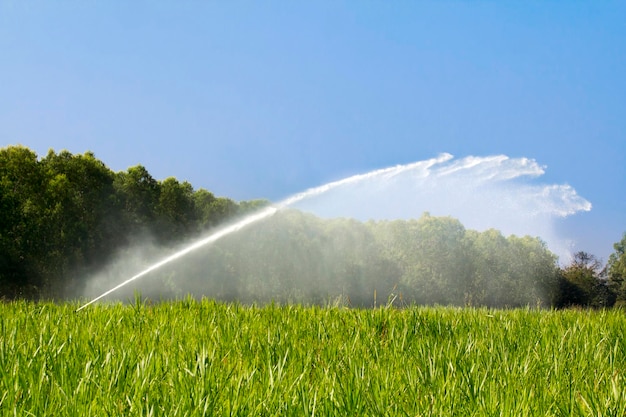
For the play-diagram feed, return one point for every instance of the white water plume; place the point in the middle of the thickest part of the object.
(482, 192)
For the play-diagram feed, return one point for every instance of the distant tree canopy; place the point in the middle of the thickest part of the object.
(298, 257)
(64, 217)
(583, 283)
(617, 271)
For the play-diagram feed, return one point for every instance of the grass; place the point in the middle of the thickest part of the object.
(191, 358)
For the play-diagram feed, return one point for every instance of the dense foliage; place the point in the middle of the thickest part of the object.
(299, 258)
(204, 358)
(63, 216)
(617, 271)
(66, 218)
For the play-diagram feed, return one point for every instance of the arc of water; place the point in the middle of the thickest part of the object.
(253, 218)
(558, 200)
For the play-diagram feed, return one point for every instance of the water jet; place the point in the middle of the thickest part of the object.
(480, 191)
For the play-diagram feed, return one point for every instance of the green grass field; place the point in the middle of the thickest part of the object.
(192, 358)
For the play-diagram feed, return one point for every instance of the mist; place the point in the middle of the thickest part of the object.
(482, 192)
(339, 250)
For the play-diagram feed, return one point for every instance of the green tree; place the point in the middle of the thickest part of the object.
(222, 209)
(582, 283)
(63, 217)
(491, 283)
(203, 206)
(534, 272)
(356, 264)
(511, 271)
(616, 269)
(175, 210)
(432, 255)
(21, 205)
(440, 264)
(138, 193)
(251, 206)
(82, 217)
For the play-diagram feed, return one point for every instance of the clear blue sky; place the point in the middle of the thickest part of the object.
(265, 99)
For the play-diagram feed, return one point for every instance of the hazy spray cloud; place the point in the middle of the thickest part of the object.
(145, 257)
(482, 192)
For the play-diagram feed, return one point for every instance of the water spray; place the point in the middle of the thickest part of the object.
(434, 181)
(264, 213)
(205, 241)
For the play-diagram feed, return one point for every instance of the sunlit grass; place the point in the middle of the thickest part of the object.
(192, 358)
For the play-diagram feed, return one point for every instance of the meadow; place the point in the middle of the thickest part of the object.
(204, 358)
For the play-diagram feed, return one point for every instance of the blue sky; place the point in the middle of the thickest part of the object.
(265, 99)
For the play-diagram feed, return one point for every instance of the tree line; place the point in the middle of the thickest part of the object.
(296, 257)
(64, 217)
